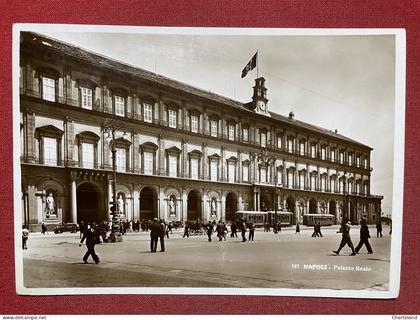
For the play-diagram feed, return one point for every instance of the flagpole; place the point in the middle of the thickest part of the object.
(257, 64)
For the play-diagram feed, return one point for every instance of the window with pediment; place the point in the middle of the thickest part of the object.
(49, 139)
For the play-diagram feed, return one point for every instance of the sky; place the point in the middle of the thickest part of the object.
(344, 82)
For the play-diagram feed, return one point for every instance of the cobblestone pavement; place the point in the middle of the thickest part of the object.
(285, 260)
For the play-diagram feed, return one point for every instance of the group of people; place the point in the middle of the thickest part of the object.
(317, 230)
(346, 239)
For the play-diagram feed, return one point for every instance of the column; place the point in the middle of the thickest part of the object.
(223, 164)
(161, 155)
(204, 161)
(223, 208)
(206, 207)
(184, 159)
(29, 136)
(239, 168)
(161, 111)
(135, 150)
(297, 211)
(255, 201)
(161, 205)
(258, 201)
(69, 142)
(73, 202)
(136, 205)
(134, 107)
(184, 214)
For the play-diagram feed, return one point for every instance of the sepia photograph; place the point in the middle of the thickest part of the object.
(151, 160)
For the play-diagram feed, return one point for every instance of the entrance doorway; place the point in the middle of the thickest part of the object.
(231, 206)
(194, 206)
(148, 204)
(91, 206)
(290, 204)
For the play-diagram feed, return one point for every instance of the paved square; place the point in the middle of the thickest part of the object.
(285, 260)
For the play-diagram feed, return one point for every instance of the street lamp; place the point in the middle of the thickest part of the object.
(265, 158)
(110, 127)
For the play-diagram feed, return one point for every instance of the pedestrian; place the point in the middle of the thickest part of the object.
(209, 230)
(25, 236)
(162, 235)
(233, 229)
(297, 228)
(279, 226)
(251, 230)
(364, 237)
(43, 228)
(220, 230)
(81, 229)
(169, 228)
(90, 236)
(345, 231)
(186, 230)
(243, 230)
(154, 234)
(379, 229)
(318, 229)
(315, 230)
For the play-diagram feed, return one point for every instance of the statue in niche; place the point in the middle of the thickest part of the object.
(171, 206)
(120, 204)
(50, 207)
(213, 206)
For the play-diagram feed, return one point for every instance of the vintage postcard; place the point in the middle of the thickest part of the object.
(208, 160)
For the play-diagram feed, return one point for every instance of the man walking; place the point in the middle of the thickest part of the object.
(251, 231)
(243, 230)
(379, 229)
(209, 230)
(43, 228)
(162, 235)
(155, 232)
(90, 236)
(345, 230)
(364, 237)
(25, 236)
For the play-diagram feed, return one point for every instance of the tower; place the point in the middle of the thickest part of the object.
(259, 98)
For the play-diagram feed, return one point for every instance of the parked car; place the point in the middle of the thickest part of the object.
(72, 227)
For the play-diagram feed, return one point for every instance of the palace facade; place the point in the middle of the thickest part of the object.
(181, 153)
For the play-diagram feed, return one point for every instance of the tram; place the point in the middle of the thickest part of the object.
(261, 217)
(324, 219)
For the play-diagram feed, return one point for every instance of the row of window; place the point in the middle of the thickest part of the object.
(148, 165)
(292, 146)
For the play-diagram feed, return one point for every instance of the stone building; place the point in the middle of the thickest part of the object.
(181, 153)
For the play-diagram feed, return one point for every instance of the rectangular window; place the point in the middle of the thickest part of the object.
(172, 118)
(194, 168)
(291, 179)
(86, 98)
(213, 128)
(323, 152)
(341, 156)
(213, 170)
(88, 158)
(279, 142)
(148, 163)
(313, 151)
(231, 172)
(302, 181)
(279, 177)
(333, 155)
(358, 161)
(173, 166)
(350, 159)
(119, 106)
(263, 175)
(323, 183)
(245, 173)
(50, 151)
(313, 182)
(245, 132)
(194, 124)
(147, 113)
(231, 132)
(263, 139)
(290, 145)
(302, 148)
(121, 160)
(48, 89)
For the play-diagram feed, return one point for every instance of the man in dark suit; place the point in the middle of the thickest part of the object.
(162, 235)
(364, 237)
(345, 230)
(155, 231)
(90, 236)
(243, 230)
